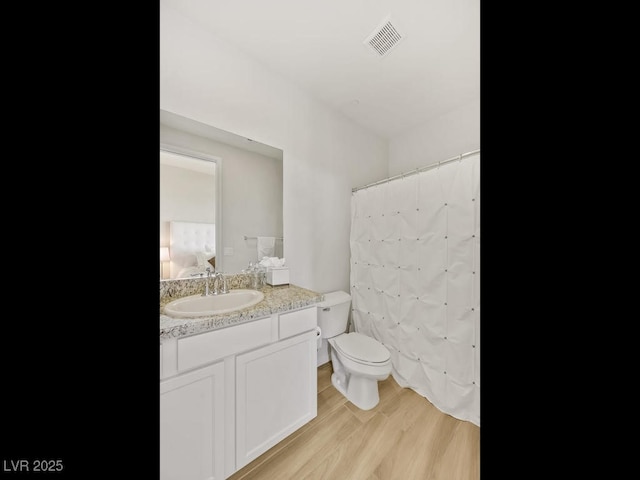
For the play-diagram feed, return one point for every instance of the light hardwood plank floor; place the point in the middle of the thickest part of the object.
(403, 438)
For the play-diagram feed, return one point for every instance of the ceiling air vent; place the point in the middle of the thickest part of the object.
(384, 38)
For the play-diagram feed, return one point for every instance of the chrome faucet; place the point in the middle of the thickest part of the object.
(217, 289)
(207, 291)
(216, 278)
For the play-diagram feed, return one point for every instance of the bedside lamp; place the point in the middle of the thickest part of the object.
(164, 257)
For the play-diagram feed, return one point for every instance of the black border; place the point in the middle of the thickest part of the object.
(80, 350)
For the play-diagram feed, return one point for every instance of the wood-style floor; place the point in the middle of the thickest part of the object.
(404, 437)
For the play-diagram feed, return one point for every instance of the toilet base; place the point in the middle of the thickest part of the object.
(362, 392)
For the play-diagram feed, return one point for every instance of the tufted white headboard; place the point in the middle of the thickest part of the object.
(185, 240)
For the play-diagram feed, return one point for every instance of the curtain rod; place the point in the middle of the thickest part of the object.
(255, 238)
(417, 170)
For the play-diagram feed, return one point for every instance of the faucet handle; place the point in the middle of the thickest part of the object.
(225, 287)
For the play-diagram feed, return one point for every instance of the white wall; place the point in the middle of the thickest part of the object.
(325, 155)
(451, 134)
(186, 196)
(251, 196)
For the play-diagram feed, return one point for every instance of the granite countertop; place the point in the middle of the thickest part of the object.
(276, 300)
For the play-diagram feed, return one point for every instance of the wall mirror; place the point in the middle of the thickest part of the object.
(219, 192)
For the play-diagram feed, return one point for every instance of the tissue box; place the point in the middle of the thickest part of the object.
(278, 275)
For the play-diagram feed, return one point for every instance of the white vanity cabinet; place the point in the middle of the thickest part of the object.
(228, 395)
(192, 425)
(276, 392)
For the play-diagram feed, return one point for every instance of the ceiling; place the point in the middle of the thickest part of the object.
(320, 46)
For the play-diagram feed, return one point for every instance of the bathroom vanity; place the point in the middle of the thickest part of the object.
(233, 385)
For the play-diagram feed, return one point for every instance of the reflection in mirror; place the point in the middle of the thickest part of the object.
(187, 214)
(247, 198)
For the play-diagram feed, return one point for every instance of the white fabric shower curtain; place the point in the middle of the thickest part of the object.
(415, 280)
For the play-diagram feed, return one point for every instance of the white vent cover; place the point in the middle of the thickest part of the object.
(384, 38)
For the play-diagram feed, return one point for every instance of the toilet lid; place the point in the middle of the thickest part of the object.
(361, 347)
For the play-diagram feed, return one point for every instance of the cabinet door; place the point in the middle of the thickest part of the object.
(192, 425)
(276, 393)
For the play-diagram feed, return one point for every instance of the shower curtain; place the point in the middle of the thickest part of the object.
(415, 280)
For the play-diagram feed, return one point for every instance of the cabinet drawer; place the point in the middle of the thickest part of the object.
(299, 321)
(207, 347)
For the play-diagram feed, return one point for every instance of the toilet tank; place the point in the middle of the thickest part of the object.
(333, 313)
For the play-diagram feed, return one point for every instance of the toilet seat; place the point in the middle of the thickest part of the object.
(362, 349)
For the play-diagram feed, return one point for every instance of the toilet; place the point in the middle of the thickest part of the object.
(359, 361)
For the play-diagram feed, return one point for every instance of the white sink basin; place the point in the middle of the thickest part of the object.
(199, 306)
